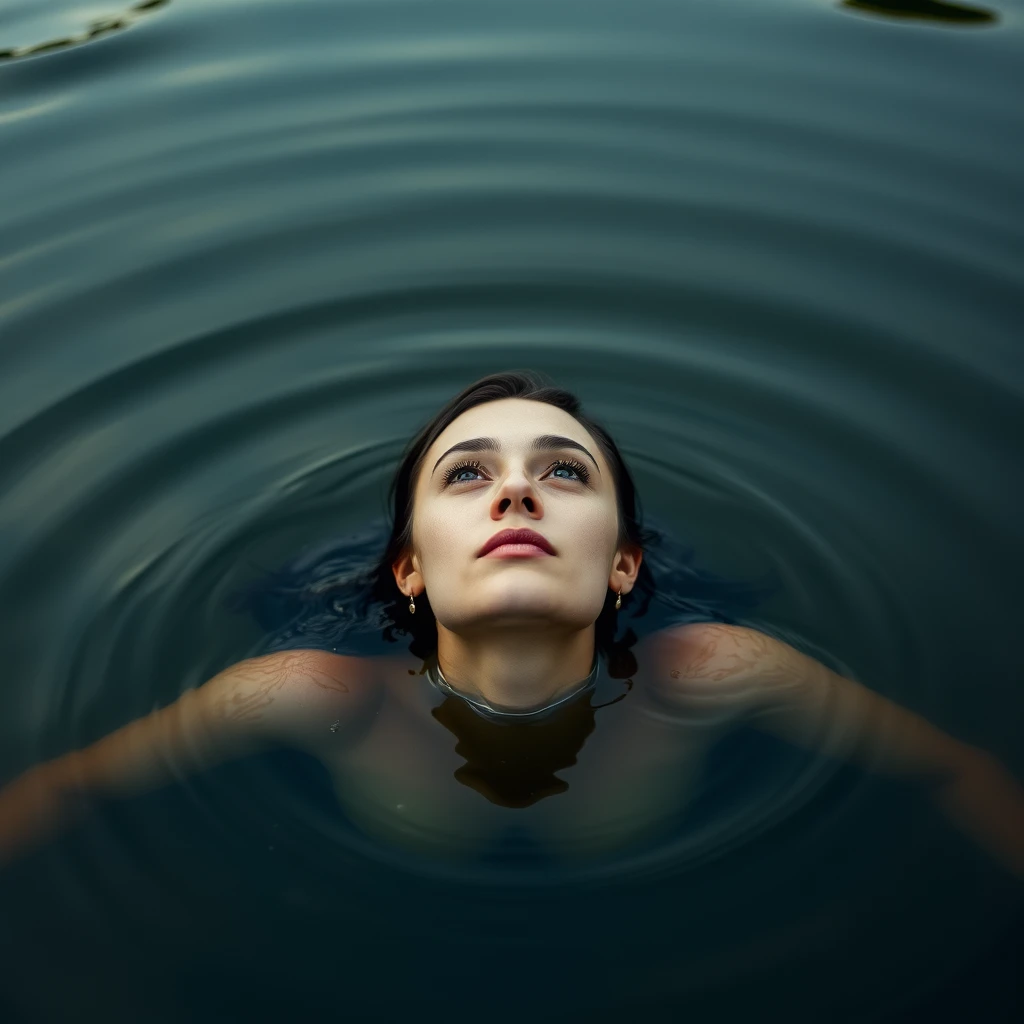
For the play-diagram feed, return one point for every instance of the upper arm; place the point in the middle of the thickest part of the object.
(285, 698)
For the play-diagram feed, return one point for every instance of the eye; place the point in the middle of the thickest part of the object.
(578, 468)
(460, 467)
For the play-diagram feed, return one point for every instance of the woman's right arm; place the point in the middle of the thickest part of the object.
(285, 698)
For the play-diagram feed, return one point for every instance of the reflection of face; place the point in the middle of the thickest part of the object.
(519, 487)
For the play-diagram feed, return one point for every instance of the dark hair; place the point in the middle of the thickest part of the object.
(534, 386)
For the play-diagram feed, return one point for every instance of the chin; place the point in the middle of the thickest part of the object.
(517, 608)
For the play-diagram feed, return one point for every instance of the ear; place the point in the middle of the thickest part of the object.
(407, 574)
(626, 568)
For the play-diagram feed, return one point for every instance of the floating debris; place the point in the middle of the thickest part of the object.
(100, 27)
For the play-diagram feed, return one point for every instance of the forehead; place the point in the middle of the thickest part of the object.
(515, 422)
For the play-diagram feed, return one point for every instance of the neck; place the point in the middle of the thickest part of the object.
(513, 670)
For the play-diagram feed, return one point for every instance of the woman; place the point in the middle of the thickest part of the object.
(515, 543)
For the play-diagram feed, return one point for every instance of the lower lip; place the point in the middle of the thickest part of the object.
(516, 551)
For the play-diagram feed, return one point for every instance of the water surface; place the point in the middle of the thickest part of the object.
(248, 246)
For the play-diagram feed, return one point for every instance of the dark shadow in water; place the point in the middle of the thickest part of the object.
(513, 764)
(102, 27)
(925, 10)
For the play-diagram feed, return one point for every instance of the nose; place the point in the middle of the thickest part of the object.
(517, 494)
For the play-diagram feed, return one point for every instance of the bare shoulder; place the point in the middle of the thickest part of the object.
(290, 698)
(717, 650)
(709, 658)
(289, 695)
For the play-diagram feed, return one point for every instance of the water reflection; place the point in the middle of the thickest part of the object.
(100, 27)
(925, 10)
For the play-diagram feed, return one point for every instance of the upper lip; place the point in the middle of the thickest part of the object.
(516, 537)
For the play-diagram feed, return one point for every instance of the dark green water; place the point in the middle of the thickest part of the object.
(247, 248)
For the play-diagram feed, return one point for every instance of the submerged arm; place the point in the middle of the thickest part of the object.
(277, 699)
(797, 698)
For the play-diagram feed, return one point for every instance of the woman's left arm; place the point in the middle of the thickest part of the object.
(799, 699)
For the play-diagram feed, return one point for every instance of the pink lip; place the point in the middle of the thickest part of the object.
(516, 551)
(517, 544)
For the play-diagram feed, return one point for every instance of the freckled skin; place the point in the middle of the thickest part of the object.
(720, 653)
(715, 659)
(266, 678)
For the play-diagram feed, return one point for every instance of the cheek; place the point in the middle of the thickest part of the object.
(598, 528)
(437, 538)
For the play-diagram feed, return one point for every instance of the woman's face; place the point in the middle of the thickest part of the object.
(516, 476)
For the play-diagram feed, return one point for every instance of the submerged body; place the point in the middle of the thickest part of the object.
(412, 775)
(413, 770)
(424, 770)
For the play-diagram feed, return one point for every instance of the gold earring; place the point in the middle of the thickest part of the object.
(412, 605)
(618, 600)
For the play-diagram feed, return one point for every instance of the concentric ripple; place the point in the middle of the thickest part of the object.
(247, 249)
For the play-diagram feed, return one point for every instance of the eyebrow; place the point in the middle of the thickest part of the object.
(546, 442)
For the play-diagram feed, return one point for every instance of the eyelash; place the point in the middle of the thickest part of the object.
(577, 467)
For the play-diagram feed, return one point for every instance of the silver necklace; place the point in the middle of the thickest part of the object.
(436, 677)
